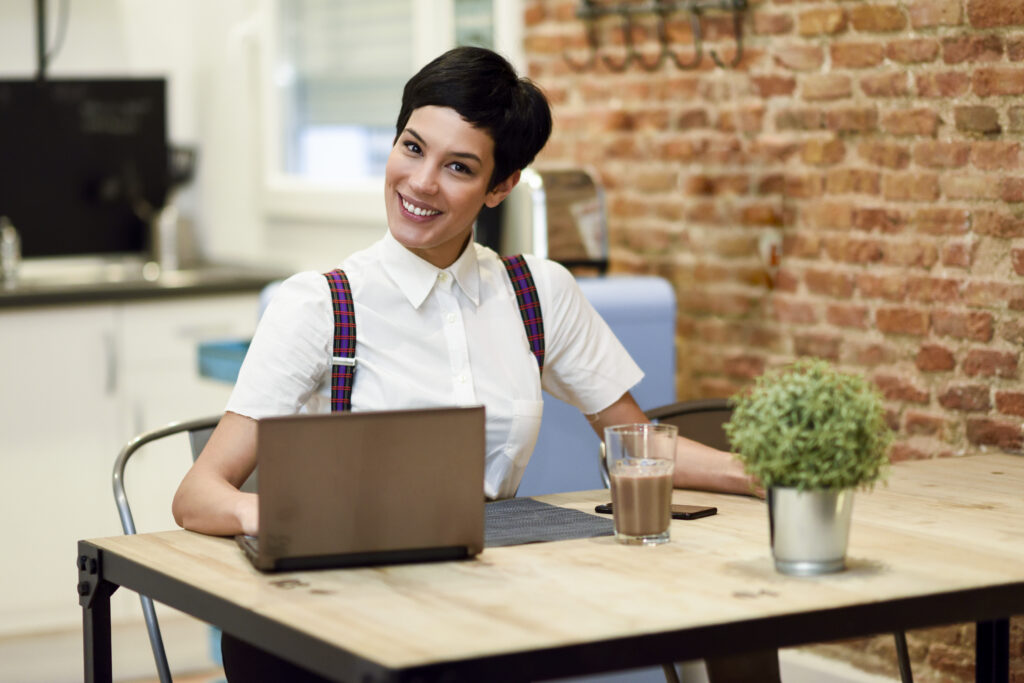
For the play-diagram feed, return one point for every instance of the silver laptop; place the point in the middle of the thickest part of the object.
(362, 488)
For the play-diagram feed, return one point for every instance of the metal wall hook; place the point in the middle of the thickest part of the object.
(698, 44)
(589, 11)
(627, 37)
(737, 32)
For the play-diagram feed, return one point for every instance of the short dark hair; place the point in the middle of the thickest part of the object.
(488, 93)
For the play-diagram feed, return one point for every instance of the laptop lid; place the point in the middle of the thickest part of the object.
(356, 488)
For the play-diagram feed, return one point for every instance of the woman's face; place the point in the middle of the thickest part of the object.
(435, 183)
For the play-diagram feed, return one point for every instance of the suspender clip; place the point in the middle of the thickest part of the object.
(338, 360)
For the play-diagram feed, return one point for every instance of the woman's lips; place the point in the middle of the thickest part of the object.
(416, 209)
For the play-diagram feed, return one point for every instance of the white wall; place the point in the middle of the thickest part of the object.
(209, 53)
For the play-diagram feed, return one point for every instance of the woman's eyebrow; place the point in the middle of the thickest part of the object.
(460, 155)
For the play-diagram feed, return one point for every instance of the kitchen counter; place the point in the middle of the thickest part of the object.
(58, 282)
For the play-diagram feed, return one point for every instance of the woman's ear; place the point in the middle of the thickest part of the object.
(498, 193)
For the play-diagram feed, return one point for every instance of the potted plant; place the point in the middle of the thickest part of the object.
(811, 435)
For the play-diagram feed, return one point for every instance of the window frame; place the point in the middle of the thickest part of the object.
(285, 197)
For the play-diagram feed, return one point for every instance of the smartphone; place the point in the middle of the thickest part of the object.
(678, 511)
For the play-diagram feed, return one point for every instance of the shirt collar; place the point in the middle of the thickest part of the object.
(417, 277)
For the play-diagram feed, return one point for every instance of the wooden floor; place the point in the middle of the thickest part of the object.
(212, 676)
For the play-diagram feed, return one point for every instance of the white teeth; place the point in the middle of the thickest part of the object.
(418, 211)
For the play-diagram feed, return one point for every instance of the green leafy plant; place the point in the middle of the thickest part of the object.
(810, 426)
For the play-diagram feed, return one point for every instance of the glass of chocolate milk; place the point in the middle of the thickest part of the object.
(641, 459)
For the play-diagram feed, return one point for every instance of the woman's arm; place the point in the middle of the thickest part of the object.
(208, 499)
(697, 466)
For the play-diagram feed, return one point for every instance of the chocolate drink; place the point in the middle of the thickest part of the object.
(641, 501)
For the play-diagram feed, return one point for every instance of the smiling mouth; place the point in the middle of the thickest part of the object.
(415, 210)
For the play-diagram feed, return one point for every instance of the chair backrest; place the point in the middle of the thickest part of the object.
(199, 433)
(700, 420)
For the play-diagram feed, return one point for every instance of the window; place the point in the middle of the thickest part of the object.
(334, 81)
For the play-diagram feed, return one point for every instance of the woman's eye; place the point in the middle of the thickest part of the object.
(461, 168)
(412, 146)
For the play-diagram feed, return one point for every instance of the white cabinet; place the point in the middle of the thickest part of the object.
(76, 383)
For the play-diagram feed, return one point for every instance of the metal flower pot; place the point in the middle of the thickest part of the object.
(809, 529)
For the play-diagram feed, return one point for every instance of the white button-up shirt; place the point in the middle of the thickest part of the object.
(427, 336)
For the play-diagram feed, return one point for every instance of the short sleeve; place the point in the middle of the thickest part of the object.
(290, 352)
(585, 364)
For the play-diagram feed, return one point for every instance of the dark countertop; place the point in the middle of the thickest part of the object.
(95, 282)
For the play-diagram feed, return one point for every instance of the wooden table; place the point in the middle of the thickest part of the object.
(942, 543)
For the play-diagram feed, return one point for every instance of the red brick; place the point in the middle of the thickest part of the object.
(876, 219)
(793, 311)
(842, 315)
(823, 152)
(799, 57)
(896, 388)
(766, 24)
(828, 86)
(916, 254)
(912, 51)
(1015, 48)
(744, 366)
(996, 155)
(1017, 258)
(934, 358)
(803, 186)
(973, 325)
(852, 120)
(986, 432)
(977, 119)
(800, 119)
(990, 81)
(852, 180)
(990, 363)
(1010, 402)
(902, 321)
(817, 345)
(886, 84)
(853, 250)
(911, 122)
(942, 84)
(929, 13)
(942, 154)
(933, 289)
(970, 187)
(773, 86)
(918, 187)
(998, 224)
(992, 294)
(992, 13)
(877, 18)
(925, 424)
(830, 283)
(857, 55)
(942, 221)
(1011, 189)
(972, 48)
(966, 397)
(958, 254)
(829, 215)
(821, 21)
(891, 287)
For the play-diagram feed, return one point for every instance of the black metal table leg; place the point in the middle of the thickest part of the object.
(992, 651)
(94, 597)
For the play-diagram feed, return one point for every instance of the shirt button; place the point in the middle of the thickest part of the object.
(442, 276)
(451, 317)
(462, 379)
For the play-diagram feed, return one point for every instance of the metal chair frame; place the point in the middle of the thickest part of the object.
(199, 431)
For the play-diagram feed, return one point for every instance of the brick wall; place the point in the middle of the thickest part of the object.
(881, 143)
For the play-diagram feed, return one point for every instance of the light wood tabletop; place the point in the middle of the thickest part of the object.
(941, 542)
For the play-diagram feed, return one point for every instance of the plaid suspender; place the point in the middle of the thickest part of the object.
(529, 305)
(343, 360)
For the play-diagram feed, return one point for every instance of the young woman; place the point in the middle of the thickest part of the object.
(437, 318)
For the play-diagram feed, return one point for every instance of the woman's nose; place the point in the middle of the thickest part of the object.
(424, 180)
